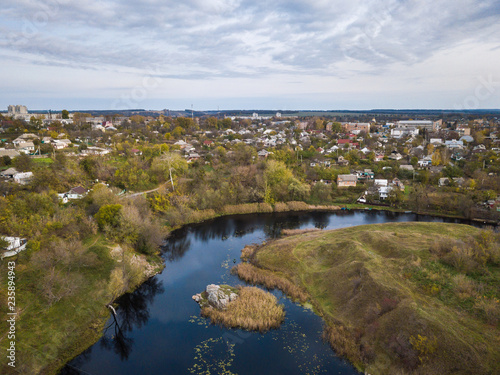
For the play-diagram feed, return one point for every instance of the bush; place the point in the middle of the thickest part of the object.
(109, 215)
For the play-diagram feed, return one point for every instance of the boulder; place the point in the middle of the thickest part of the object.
(216, 296)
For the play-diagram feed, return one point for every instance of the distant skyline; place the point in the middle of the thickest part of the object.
(240, 54)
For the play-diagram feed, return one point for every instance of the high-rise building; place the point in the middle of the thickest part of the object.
(17, 110)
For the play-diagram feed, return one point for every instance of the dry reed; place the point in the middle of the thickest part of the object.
(247, 252)
(254, 310)
(254, 275)
(292, 232)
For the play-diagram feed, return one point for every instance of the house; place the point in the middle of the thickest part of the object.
(425, 162)
(383, 192)
(92, 150)
(395, 155)
(263, 153)
(444, 181)
(356, 127)
(193, 156)
(23, 178)
(397, 183)
(406, 167)
(15, 246)
(9, 173)
(349, 142)
(75, 193)
(26, 147)
(11, 153)
(345, 180)
(135, 151)
(367, 174)
(342, 161)
(59, 144)
(381, 182)
(454, 144)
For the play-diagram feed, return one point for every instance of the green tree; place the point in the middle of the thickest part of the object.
(178, 131)
(65, 114)
(23, 163)
(109, 215)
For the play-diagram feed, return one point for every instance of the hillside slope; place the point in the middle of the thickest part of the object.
(416, 298)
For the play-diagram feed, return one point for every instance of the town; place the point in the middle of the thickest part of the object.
(443, 164)
(88, 199)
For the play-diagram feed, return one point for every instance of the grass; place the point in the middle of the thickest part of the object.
(391, 305)
(50, 334)
(43, 161)
(253, 310)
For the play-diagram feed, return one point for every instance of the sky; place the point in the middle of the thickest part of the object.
(242, 54)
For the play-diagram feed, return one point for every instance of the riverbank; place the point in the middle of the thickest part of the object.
(396, 297)
(89, 330)
(61, 315)
(198, 216)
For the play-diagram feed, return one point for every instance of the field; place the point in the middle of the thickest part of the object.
(404, 298)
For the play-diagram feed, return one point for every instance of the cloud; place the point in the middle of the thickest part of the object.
(219, 35)
(214, 39)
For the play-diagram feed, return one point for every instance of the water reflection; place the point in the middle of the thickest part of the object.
(132, 313)
(133, 308)
(176, 247)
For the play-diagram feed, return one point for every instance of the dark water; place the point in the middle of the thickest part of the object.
(159, 330)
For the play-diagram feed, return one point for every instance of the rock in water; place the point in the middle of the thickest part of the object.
(216, 296)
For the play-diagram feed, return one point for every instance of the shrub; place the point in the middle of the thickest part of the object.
(424, 346)
(464, 286)
(109, 215)
(342, 340)
(490, 308)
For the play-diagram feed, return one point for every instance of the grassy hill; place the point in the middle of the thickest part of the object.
(420, 298)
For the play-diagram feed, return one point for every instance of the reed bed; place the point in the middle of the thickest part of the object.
(292, 232)
(258, 276)
(247, 208)
(247, 252)
(254, 310)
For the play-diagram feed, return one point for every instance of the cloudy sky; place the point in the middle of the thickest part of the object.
(242, 54)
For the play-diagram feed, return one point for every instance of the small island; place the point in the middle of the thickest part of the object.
(248, 308)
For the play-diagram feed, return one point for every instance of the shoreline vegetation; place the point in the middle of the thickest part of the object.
(406, 298)
(95, 314)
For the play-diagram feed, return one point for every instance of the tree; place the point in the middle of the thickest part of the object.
(178, 131)
(336, 127)
(23, 163)
(395, 197)
(65, 114)
(212, 122)
(109, 215)
(169, 165)
(4, 244)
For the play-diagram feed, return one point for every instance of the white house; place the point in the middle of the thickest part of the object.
(16, 245)
(23, 177)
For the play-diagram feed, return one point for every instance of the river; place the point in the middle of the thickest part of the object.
(160, 330)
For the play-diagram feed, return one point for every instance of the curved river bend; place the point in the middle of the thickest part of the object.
(159, 328)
